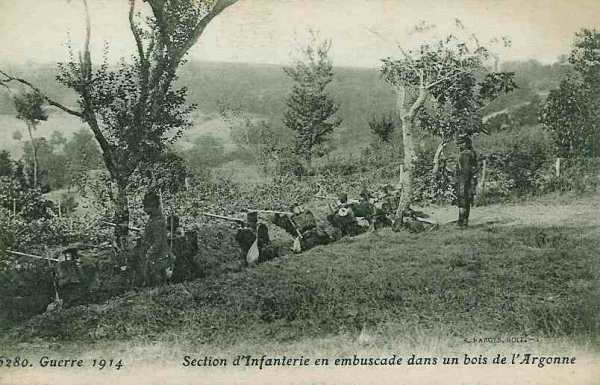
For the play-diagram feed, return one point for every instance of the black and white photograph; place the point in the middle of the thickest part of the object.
(307, 192)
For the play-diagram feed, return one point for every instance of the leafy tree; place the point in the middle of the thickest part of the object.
(383, 127)
(310, 110)
(44, 152)
(30, 109)
(135, 109)
(528, 114)
(572, 112)
(29, 203)
(441, 87)
(6, 164)
(82, 155)
(57, 139)
(258, 139)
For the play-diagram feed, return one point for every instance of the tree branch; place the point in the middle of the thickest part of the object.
(136, 32)
(444, 78)
(50, 101)
(86, 60)
(218, 7)
(411, 63)
(420, 101)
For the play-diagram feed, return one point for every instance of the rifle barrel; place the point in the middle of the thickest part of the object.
(222, 217)
(274, 212)
(426, 221)
(115, 225)
(325, 197)
(31, 255)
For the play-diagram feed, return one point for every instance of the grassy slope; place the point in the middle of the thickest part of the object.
(511, 277)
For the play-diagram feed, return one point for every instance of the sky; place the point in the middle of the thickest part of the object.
(270, 31)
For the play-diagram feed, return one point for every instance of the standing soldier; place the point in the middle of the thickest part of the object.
(466, 169)
(155, 260)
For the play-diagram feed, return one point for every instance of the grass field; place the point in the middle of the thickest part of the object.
(526, 269)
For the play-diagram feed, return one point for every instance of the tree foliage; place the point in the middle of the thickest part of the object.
(442, 87)
(572, 111)
(30, 108)
(135, 110)
(311, 111)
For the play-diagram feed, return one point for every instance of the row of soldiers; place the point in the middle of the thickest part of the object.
(175, 249)
(345, 218)
(352, 217)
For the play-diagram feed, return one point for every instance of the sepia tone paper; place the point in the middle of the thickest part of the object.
(258, 38)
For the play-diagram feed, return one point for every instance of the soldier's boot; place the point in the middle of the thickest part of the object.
(461, 217)
(466, 215)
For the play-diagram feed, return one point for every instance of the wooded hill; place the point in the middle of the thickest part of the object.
(261, 90)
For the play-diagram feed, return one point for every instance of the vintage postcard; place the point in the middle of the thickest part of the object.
(299, 192)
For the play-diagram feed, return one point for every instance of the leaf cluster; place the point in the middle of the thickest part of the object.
(456, 81)
(572, 111)
(30, 108)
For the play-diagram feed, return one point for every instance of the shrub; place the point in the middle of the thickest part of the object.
(29, 203)
(383, 127)
(515, 162)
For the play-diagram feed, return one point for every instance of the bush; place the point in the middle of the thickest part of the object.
(288, 163)
(578, 175)
(383, 127)
(515, 162)
(29, 203)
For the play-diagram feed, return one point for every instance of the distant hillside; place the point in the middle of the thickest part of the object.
(261, 90)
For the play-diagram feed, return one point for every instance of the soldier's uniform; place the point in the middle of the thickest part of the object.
(155, 260)
(363, 208)
(246, 234)
(184, 247)
(251, 231)
(302, 225)
(76, 275)
(382, 209)
(69, 279)
(344, 218)
(466, 170)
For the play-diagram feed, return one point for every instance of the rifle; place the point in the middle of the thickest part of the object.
(115, 225)
(421, 219)
(31, 256)
(325, 197)
(273, 212)
(230, 219)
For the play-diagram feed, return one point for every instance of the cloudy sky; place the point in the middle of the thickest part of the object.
(267, 31)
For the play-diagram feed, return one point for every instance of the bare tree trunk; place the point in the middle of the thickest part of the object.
(35, 160)
(436, 157)
(121, 218)
(409, 166)
(408, 122)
